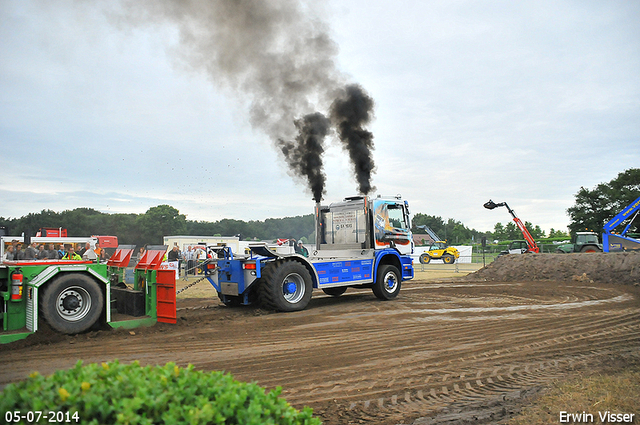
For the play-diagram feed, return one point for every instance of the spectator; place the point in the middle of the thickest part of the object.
(174, 254)
(31, 252)
(8, 253)
(101, 253)
(52, 254)
(140, 254)
(89, 253)
(42, 254)
(190, 257)
(61, 252)
(19, 254)
(71, 254)
(201, 256)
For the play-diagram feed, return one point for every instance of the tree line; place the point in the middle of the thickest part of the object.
(154, 224)
(165, 220)
(592, 209)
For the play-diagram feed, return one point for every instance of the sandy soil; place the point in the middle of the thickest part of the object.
(470, 349)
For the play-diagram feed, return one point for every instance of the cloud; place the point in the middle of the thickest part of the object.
(520, 102)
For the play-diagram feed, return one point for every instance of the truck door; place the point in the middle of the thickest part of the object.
(391, 226)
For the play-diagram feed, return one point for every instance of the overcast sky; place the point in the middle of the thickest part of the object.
(523, 102)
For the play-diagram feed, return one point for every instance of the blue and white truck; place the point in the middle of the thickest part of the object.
(360, 242)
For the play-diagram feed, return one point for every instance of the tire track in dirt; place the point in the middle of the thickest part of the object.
(353, 358)
(346, 382)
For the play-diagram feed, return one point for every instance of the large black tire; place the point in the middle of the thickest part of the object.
(286, 286)
(72, 303)
(388, 282)
(335, 292)
(448, 259)
(424, 258)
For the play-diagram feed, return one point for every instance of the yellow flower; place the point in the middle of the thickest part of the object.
(105, 366)
(176, 371)
(85, 386)
(64, 394)
(34, 374)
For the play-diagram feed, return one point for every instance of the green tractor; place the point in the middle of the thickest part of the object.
(581, 242)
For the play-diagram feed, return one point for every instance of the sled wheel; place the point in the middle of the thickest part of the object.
(72, 303)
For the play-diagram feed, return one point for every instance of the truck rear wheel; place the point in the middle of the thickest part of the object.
(448, 259)
(286, 286)
(72, 303)
(424, 258)
(388, 283)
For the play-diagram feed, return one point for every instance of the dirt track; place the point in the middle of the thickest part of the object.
(459, 350)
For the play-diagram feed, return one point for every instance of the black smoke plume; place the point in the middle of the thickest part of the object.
(304, 156)
(270, 55)
(351, 111)
(278, 59)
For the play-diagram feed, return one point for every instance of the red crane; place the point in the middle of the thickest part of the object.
(533, 247)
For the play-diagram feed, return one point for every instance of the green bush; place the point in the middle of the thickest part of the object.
(114, 393)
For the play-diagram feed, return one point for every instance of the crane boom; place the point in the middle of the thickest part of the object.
(531, 243)
(621, 242)
(623, 215)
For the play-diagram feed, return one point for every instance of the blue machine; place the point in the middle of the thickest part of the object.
(613, 242)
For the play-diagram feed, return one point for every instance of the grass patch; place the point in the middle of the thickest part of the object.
(615, 393)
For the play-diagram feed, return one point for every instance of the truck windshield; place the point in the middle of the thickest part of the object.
(396, 216)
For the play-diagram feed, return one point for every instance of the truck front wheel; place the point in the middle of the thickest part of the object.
(286, 286)
(72, 303)
(388, 283)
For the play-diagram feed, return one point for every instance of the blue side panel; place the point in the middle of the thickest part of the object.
(406, 263)
(619, 243)
(407, 267)
(336, 272)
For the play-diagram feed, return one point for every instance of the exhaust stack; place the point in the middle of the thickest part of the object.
(319, 229)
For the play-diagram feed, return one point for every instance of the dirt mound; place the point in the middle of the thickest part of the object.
(620, 268)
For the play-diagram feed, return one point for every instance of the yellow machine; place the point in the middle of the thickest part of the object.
(440, 251)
